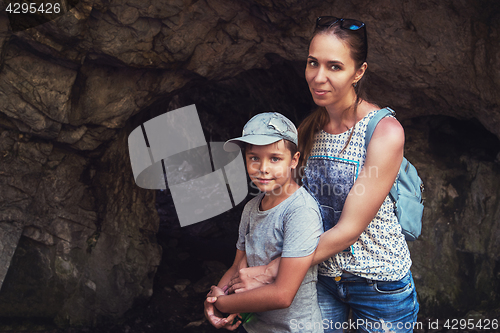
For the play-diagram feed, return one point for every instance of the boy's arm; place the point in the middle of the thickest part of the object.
(215, 317)
(277, 295)
(240, 255)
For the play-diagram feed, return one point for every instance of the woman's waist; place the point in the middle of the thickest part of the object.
(381, 268)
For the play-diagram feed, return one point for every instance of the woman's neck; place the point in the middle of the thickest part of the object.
(343, 116)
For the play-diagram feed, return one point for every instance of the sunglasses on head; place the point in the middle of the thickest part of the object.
(347, 24)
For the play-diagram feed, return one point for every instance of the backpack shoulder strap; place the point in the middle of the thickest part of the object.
(370, 128)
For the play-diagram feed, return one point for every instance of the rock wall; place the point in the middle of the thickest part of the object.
(456, 260)
(73, 88)
(88, 249)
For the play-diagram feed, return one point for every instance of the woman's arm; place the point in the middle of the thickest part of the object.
(277, 295)
(248, 278)
(383, 159)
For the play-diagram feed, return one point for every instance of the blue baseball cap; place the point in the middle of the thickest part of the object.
(264, 129)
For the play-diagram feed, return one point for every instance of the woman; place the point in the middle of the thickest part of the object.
(363, 256)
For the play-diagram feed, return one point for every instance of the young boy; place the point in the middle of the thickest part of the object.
(283, 220)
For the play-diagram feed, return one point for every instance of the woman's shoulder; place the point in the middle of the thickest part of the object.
(388, 125)
(389, 133)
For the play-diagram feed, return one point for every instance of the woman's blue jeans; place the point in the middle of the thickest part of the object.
(377, 306)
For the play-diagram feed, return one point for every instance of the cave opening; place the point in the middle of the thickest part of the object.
(224, 107)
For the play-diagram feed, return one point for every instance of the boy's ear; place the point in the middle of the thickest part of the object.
(295, 160)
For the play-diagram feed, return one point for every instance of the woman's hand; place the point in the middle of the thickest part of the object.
(216, 292)
(253, 277)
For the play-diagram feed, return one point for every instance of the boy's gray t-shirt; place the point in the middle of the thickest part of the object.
(291, 229)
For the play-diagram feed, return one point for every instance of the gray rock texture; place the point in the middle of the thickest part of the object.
(73, 88)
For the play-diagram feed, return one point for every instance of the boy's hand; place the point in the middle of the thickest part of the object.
(253, 277)
(215, 317)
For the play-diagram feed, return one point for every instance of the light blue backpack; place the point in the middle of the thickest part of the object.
(406, 191)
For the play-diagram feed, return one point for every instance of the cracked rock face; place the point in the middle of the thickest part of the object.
(73, 88)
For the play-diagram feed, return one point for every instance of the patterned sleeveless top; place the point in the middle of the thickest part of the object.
(381, 252)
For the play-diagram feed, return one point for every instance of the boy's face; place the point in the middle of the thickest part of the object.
(270, 167)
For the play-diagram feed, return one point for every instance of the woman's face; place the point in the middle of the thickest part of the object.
(331, 72)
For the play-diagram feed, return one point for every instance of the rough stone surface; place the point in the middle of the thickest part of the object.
(71, 90)
(124, 54)
(455, 261)
(10, 233)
